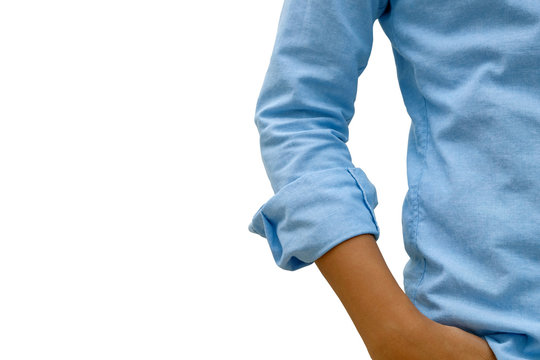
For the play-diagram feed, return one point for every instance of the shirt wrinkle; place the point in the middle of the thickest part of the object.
(469, 76)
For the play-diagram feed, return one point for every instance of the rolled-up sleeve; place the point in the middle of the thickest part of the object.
(302, 114)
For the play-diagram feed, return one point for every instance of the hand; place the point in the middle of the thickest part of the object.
(431, 340)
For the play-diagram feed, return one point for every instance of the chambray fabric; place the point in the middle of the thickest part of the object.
(469, 74)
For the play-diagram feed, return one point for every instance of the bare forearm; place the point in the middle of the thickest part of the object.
(389, 324)
(358, 274)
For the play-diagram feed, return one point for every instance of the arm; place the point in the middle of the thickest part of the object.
(389, 324)
(323, 206)
(358, 274)
(302, 114)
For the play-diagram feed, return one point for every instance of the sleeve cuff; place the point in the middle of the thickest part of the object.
(316, 212)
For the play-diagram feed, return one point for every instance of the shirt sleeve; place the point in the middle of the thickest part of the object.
(302, 115)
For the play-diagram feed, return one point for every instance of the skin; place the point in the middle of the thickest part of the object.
(387, 321)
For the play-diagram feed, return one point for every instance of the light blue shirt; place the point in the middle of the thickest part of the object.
(469, 73)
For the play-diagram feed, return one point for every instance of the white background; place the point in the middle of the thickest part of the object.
(130, 170)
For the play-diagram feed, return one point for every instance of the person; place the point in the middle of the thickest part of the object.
(469, 75)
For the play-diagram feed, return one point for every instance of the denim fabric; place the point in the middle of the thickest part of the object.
(469, 74)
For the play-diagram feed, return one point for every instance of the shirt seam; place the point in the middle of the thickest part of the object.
(365, 200)
(417, 201)
(417, 188)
